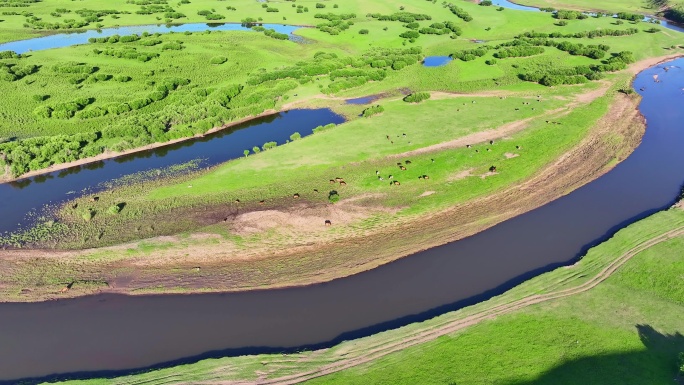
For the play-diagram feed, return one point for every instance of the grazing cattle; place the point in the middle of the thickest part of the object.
(491, 142)
(295, 196)
(261, 202)
(488, 150)
(492, 169)
(75, 206)
(404, 135)
(391, 142)
(391, 177)
(517, 147)
(433, 161)
(94, 199)
(237, 201)
(473, 102)
(225, 219)
(381, 178)
(315, 190)
(420, 177)
(426, 177)
(517, 109)
(388, 138)
(468, 146)
(532, 108)
(332, 181)
(477, 150)
(377, 172)
(408, 162)
(402, 168)
(328, 223)
(338, 179)
(398, 163)
(396, 183)
(343, 183)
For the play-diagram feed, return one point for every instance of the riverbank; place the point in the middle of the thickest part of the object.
(206, 259)
(582, 300)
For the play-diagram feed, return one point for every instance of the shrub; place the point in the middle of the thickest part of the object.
(490, 62)
(218, 60)
(115, 209)
(256, 149)
(295, 136)
(363, 32)
(370, 111)
(269, 145)
(40, 98)
(486, 3)
(333, 197)
(417, 97)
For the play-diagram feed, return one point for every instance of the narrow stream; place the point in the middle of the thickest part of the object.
(113, 334)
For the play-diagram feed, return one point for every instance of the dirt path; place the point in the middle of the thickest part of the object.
(420, 337)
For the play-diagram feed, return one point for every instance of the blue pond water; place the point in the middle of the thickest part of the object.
(436, 61)
(68, 39)
(508, 4)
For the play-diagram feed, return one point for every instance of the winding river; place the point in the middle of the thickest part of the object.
(110, 334)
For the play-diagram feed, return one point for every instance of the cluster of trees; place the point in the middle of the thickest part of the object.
(675, 14)
(441, 29)
(577, 49)
(336, 22)
(271, 33)
(470, 54)
(460, 12)
(133, 53)
(65, 110)
(12, 72)
(519, 51)
(345, 72)
(9, 55)
(374, 110)
(563, 14)
(551, 76)
(114, 39)
(583, 34)
(417, 97)
(74, 68)
(404, 17)
(630, 16)
(209, 15)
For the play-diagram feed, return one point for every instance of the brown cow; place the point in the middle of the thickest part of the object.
(328, 223)
(295, 196)
(396, 183)
(492, 169)
(343, 183)
(402, 168)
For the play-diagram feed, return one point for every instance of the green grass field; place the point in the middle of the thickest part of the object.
(629, 327)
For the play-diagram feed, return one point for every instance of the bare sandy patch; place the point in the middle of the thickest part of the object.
(427, 193)
(460, 175)
(510, 155)
(488, 174)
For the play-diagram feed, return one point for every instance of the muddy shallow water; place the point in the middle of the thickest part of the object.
(114, 332)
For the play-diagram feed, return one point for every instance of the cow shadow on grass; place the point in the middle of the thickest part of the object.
(658, 363)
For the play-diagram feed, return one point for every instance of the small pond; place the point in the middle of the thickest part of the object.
(436, 61)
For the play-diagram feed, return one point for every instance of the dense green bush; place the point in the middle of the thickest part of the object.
(460, 12)
(218, 60)
(470, 54)
(417, 97)
(374, 110)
